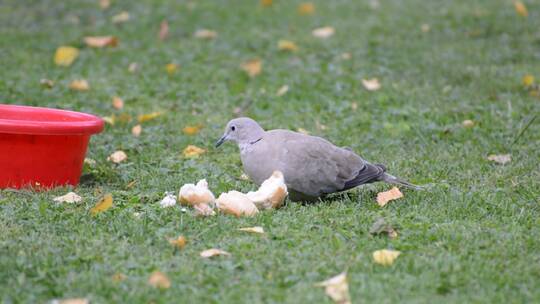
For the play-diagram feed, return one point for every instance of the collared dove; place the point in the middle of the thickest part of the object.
(312, 166)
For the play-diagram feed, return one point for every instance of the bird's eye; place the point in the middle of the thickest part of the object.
(233, 128)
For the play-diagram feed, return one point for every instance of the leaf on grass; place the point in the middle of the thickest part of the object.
(192, 130)
(337, 288)
(133, 67)
(65, 55)
(136, 130)
(118, 277)
(500, 158)
(252, 67)
(103, 205)
(306, 8)
(213, 252)
(371, 84)
(104, 4)
(303, 131)
(323, 32)
(467, 123)
(121, 17)
(47, 83)
(101, 41)
(528, 80)
(385, 257)
(521, 9)
(71, 301)
(117, 157)
(117, 103)
(266, 3)
(256, 229)
(171, 68)
(384, 197)
(346, 56)
(79, 85)
(70, 197)
(282, 91)
(150, 116)
(159, 280)
(192, 151)
(205, 34)
(287, 45)
(236, 203)
(179, 242)
(425, 28)
(163, 30)
(381, 226)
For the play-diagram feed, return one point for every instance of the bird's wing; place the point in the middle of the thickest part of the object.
(314, 166)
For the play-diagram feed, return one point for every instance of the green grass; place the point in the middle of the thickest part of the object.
(473, 237)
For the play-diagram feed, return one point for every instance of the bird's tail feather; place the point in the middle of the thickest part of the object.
(397, 181)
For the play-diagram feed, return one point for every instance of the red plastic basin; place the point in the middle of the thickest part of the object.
(42, 147)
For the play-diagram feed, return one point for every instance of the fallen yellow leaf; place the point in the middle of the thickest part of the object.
(118, 277)
(266, 2)
(384, 197)
(79, 85)
(121, 17)
(150, 116)
(192, 151)
(136, 130)
(337, 288)
(521, 9)
(47, 83)
(371, 84)
(72, 301)
(306, 8)
(171, 68)
(109, 119)
(191, 130)
(205, 34)
(282, 91)
(385, 257)
(252, 67)
(323, 32)
(256, 229)
(425, 28)
(103, 205)
(303, 131)
(159, 280)
(528, 80)
(133, 67)
(101, 41)
(287, 45)
(70, 197)
(179, 242)
(65, 55)
(117, 157)
(104, 4)
(236, 203)
(467, 123)
(213, 252)
(500, 159)
(163, 30)
(117, 102)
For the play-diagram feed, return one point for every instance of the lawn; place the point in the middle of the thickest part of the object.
(473, 236)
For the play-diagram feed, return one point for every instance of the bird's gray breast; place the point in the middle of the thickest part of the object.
(258, 161)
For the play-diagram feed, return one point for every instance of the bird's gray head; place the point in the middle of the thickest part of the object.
(241, 130)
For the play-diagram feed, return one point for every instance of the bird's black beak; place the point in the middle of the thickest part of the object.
(221, 140)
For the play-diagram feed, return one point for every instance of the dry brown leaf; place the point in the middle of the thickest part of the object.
(384, 197)
(236, 203)
(266, 3)
(118, 277)
(79, 85)
(425, 28)
(213, 252)
(117, 157)
(179, 242)
(271, 193)
(252, 67)
(192, 130)
(256, 229)
(500, 158)
(192, 151)
(203, 210)
(385, 257)
(117, 103)
(150, 116)
(323, 32)
(337, 288)
(104, 4)
(163, 30)
(103, 205)
(71, 301)
(136, 130)
(282, 91)
(101, 41)
(521, 9)
(528, 80)
(159, 280)
(65, 55)
(121, 17)
(287, 45)
(467, 123)
(306, 8)
(70, 197)
(171, 68)
(371, 84)
(191, 194)
(205, 34)
(46, 83)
